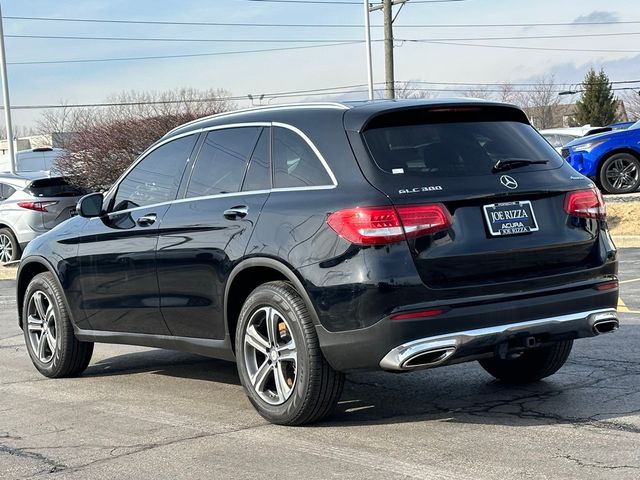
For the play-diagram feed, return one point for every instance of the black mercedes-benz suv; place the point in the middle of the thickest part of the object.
(310, 240)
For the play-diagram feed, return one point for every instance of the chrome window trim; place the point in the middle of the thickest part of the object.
(157, 145)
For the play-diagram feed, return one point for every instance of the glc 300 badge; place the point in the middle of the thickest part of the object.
(508, 182)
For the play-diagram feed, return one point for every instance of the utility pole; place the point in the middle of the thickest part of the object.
(5, 96)
(387, 12)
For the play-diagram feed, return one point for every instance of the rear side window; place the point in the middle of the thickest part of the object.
(6, 191)
(156, 178)
(222, 161)
(295, 164)
(259, 173)
(52, 187)
(457, 149)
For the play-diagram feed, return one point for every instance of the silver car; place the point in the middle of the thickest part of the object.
(31, 203)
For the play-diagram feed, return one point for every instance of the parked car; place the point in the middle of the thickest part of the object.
(559, 137)
(35, 160)
(310, 240)
(31, 204)
(612, 159)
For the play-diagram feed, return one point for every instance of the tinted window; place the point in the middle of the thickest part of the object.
(222, 161)
(53, 187)
(294, 162)
(457, 149)
(157, 177)
(259, 173)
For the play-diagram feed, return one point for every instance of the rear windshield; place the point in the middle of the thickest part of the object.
(457, 149)
(53, 187)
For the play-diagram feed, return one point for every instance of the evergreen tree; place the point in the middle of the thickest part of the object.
(598, 106)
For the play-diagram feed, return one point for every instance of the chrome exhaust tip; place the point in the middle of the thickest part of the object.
(605, 326)
(428, 358)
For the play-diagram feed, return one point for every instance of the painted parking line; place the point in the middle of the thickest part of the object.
(630, 281)
(622, 307)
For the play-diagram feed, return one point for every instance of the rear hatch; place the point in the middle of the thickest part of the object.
(55, 198)
(509, 223)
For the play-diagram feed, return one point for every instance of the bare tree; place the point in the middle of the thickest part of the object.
(631, 99)
(479, 91)
(540, 101)
(411, 90)
(106, 140)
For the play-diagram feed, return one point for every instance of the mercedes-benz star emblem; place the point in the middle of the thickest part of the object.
(508, 182)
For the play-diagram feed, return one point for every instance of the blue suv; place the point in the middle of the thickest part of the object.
(612, 159)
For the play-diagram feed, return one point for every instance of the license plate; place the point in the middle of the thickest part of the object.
(510, 218)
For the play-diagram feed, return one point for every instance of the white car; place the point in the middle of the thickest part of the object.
(559, 137)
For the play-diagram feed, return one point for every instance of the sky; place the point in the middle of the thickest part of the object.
(309, 68)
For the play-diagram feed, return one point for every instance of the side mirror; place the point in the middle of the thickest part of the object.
(90, 205)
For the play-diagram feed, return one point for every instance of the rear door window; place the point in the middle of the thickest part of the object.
(456, 149)
(295, 164)
(222, 161)
(6, 191)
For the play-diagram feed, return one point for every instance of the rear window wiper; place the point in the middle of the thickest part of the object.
(515, 163)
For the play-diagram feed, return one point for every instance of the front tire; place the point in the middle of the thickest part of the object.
(281, 367)
(620, 173)
(531, 365)
(48, 333)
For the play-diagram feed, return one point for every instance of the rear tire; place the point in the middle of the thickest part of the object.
(54, 349)
(620, 173)
(531, 365)
(281, 366)
(9, 246)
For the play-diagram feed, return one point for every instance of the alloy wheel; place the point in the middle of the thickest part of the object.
(6, 248)
(622, 174)
(41, 325)
(270, 355)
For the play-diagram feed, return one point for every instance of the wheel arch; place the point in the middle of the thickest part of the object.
(29, 268)
(250, 274)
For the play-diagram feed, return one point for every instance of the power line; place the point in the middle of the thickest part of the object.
(316, 25)
(336, 2)
(345, 89)
(170, 39)
(307, 40)
(186, 55)
(543, 49)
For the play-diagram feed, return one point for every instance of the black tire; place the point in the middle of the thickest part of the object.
(531, 365)
(315, 387)
(9, 246)
(608, 173)
(69, 356)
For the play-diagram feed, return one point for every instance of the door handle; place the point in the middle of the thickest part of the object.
(147, 220)
(239, 211)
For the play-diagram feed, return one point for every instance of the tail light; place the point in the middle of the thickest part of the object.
(36, 206)
(384, 225)
(585, 203)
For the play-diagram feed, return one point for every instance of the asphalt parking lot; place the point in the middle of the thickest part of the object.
(144, 413)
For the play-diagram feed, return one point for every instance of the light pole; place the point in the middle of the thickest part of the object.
(367, 36)
(5, 96)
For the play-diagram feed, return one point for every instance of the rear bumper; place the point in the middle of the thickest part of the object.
(469, 332)
(434, 351)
